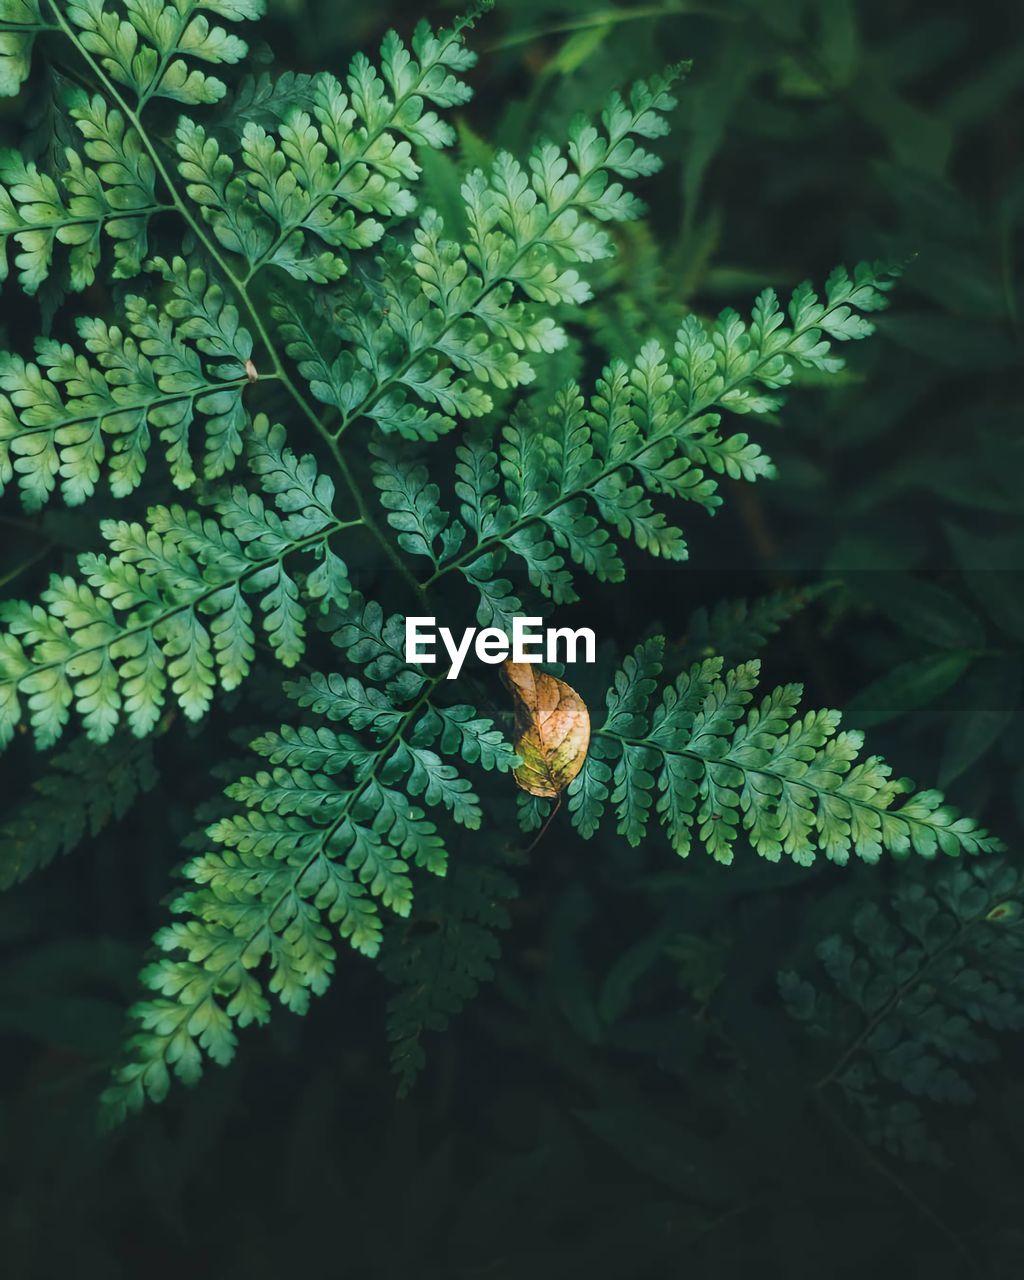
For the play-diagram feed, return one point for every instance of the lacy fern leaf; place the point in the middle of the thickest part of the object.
(913, 996)
(169, 609)
(108, 188)
(325, 832)
(567, 479)
(321, 179)
(62, 417)
(84, 791)
(732, 364)
(416, 348)
(706, 763)
(441, 957)
(151, 48)
(584, 470)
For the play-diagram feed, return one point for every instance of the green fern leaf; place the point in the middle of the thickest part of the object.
(20, 23)
(107, 189)
(733, 364)
(84, 791)
(150, 51)
(64, 416)
(718, 766)
(320, 177)
(168, 610)
(912, 997)
(557, 490)
(417, 347)
(323, 834)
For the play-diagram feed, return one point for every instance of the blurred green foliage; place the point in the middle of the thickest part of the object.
(633, 1101)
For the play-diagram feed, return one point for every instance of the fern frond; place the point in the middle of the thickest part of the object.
(84, 791)
(733, 364)
(267, 98)
(325, 832)
(441, 957)
(149, 46)
(913, 995)
(710, 765)
(20, 23)
(739, 628)
(557, 489)
(416, 348)
(169, 608)
(106, 189)
(322, 176)
(164, 369)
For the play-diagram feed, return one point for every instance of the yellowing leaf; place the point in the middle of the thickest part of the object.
(552, 729)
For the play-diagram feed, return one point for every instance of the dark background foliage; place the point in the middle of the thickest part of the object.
(630, 1097)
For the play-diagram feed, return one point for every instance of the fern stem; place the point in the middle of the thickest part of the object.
(555, 808)
(371, 524)
(239, 286)
(24, 526)
(25, 565)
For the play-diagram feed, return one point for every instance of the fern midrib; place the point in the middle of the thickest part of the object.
(6, 25)
(152, 622)
(117, 215)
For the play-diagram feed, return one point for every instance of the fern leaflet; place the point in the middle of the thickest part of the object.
(63, 417)
(415, 348)
(914, 995)
(84, 791)
(706, 763)
(587, 467)
(440, 957)
(170, 605)
(329, 829)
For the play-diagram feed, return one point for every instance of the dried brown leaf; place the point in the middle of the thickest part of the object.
(552, 729)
